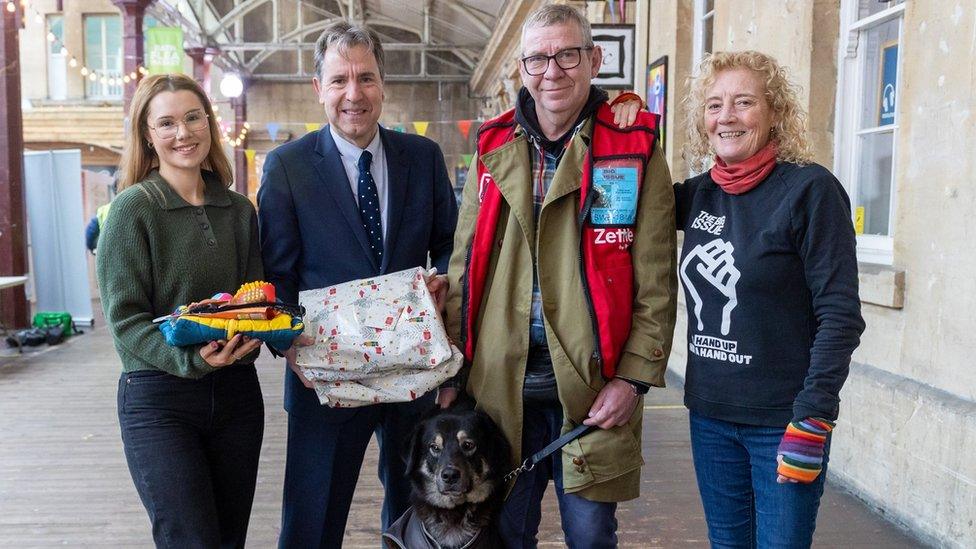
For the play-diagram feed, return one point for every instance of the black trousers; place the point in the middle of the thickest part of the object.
(192, 446)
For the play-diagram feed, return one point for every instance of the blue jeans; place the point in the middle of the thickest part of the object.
(586, 524)
(192, 446)
(744, 505)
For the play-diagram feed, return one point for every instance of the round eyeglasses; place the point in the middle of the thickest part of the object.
(569, 58)
(167, 128)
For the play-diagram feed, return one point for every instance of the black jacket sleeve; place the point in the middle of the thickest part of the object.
(281, 244)
(824, 236)
(444, 215)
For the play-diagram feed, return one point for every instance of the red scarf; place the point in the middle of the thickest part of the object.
(744, 176)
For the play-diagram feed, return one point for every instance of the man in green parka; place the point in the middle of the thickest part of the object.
(562, 282)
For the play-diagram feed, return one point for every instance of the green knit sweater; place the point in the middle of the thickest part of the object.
(157, 252)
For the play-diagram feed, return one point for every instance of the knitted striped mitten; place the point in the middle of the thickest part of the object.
(802, 449)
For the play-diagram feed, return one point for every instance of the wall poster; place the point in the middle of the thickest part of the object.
(657, 93)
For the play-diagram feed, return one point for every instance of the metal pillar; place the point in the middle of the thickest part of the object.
(202, 57)
(132, 13)
(239, 104)
(13, 228)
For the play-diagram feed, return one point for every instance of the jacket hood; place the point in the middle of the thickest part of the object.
(526, 117)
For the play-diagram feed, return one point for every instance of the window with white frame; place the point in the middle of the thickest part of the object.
(704, 19)
(103, 56)
(867, 98)
(57, 63)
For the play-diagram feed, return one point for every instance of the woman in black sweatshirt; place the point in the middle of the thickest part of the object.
(770, 277)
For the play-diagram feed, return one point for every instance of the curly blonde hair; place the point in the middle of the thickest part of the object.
(789, 119)
(138, 158)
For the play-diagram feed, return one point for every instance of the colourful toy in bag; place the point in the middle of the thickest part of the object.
(376, 340)
(253, 311)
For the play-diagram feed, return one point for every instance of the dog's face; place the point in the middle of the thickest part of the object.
(457, 457)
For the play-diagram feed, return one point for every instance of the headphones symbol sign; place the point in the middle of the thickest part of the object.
(888, 102)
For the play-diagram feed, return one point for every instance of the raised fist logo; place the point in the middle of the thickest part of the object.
(716, 265)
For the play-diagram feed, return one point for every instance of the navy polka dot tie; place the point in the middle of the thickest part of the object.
(369, 207)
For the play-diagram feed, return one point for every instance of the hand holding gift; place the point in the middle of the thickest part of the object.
(376, 340)
(252, 312)
(222, 353)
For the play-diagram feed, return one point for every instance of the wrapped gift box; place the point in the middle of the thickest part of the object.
(376, 340)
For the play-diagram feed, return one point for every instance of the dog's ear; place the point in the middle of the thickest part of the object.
(463, 403)
(415, 445)
(500, 451)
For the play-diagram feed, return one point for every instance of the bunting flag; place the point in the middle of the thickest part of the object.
(467, 159)
(273, 128)
(249, 153)
(613, 11)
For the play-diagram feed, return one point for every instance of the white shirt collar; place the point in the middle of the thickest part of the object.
(351, 150)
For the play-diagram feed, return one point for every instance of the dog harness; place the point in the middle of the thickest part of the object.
(408, 532)
(613, 172)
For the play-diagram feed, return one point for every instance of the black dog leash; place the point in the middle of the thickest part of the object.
(534, 460)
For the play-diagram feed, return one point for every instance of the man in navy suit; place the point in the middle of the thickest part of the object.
(349, 201)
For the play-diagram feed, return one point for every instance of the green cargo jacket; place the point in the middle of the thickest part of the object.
(605, 464)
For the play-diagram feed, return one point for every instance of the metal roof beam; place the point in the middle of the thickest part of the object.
(291, 77)
(385, 21)
(468, 13)
(309, 46)
(236, 14)
(288, 39)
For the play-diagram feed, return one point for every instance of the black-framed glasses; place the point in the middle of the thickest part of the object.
(169, 127)
(569, 58)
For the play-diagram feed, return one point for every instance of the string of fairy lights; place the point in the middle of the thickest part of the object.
(33, 14)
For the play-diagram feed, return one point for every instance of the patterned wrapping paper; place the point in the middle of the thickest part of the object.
(376, 340)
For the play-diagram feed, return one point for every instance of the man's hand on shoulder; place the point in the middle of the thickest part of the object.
(613, 405)
(625, 108)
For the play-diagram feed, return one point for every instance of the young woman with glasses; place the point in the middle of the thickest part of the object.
(192, 418)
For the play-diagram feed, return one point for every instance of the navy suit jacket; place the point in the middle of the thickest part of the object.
(312, 236)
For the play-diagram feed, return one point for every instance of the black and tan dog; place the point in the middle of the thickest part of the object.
(457, 459)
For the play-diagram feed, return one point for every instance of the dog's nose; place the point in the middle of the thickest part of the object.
(450, 475)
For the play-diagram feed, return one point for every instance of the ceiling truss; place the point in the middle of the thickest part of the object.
(205, 25)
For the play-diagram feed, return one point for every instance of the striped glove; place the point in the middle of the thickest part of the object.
(802, 449)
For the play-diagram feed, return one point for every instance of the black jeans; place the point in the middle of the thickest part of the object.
(192, 446)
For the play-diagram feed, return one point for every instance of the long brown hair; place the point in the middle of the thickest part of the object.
(138, 158)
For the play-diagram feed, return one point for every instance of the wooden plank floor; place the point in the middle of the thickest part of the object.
(64, 481)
